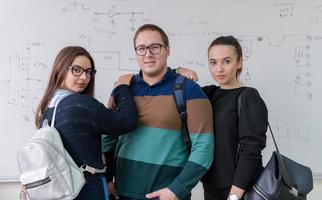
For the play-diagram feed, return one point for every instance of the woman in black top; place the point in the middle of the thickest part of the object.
(240, 135)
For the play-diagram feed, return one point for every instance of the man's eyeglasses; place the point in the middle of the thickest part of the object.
(153, 48)
(78, 71)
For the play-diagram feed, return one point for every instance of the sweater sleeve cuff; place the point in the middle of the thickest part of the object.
(120, 93)
(178, 189)
(118, 89)
(241, 182)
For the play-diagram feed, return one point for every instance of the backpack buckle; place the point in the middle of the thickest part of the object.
(92, 170)
(294, 191)
(184, 114)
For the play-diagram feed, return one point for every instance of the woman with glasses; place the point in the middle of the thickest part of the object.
(240, 131)
(81, 119)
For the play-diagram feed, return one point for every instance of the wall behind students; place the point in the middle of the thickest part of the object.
(281, 40)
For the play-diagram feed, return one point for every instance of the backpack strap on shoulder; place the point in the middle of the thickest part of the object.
(54, 115)
(58, 96)
(180, 99)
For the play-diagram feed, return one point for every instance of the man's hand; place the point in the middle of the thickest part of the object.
(112, 191)
(163, 194)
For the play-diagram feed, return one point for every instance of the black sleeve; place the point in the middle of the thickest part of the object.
(252, 137)
(125, 118)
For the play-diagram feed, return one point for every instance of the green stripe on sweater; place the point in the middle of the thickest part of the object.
(202, 146)
(135, 179)
(153, 145)
(165, 147)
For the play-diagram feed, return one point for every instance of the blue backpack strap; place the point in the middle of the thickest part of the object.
(180, 99)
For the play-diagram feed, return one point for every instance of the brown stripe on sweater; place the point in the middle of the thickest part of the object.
(199, 116)
(158, 112)
(161, 112)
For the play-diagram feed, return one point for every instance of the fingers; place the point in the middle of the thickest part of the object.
(103, 159)
(115, 195)
(112, 190)
(193, 76)
(153, 195)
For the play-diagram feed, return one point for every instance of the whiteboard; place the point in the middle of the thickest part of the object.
(281, 39)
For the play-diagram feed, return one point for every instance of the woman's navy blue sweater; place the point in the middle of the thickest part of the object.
(81, 120)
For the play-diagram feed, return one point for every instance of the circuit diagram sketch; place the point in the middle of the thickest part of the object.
(89, 40)
(24, 84)
(75, 6)
(302, 81)
(301, 58)
(316, 14)
(111, 60)
(113, 17)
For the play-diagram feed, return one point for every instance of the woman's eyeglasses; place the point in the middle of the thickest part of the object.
(78, 71)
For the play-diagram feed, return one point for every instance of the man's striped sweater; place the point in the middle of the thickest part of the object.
(154, 156)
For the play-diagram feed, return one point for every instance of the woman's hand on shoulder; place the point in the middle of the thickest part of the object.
(124, 80)
(188, 73)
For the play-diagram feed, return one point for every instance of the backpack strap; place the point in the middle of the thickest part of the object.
(58, 96)
(54, 115)
(180, 99)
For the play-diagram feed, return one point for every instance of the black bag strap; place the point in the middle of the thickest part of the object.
(180, 99)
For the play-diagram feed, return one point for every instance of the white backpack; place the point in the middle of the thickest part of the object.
(47, 171)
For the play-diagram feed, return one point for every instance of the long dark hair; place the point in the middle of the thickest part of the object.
(63, 60)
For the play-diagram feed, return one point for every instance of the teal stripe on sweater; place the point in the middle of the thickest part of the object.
(136, 179)
(165, 147)
(202, 146)
(153, 145)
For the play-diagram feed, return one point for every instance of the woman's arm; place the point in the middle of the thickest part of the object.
(123, 117)
(252, 138)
